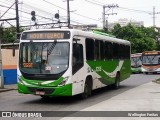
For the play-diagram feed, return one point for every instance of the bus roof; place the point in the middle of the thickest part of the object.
(151, 52)
(75, 32)
(136, 55)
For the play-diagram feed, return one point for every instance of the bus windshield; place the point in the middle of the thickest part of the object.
(44, 57)
(151, 59)
(136, 61)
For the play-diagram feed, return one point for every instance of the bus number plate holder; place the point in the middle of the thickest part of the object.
(40, 93)
(150, 70)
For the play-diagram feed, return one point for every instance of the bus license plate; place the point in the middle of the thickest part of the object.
(150, 70)
(40, 93)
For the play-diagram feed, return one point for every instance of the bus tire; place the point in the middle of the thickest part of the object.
(117, 82)
(44, 97)
(146, 73)
(87, 90)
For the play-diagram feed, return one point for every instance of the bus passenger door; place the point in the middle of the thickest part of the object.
(77, 72)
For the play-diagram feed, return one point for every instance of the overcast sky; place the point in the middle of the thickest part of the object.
(84, 11)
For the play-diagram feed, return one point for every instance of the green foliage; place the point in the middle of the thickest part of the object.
(141, 38)
(8, 35)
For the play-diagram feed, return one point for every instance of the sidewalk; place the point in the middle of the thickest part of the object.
(145, 97)
(8, 88)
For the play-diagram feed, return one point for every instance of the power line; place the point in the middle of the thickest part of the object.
(43, 11)
(141, 11)
(13, 14)
(127, 9)
(104, 13)
(54, 5)
(94, 3)
(72, 13)
(52, 14)
(37, 15)
(99, 2)
(5, 2)
(26, 12)
(7, 10)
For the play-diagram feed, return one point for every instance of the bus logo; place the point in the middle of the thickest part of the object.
(6, 114)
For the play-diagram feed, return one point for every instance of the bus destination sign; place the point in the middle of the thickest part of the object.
(45, 35)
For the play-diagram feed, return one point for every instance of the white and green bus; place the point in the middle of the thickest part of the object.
(67, 62)
(136, 62)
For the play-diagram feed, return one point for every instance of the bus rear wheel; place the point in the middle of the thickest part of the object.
(117, 82)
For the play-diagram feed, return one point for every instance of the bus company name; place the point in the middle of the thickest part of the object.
(23, 114)
(97, 69)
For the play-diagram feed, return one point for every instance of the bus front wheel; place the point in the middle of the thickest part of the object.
(45, 97)
(87, 89)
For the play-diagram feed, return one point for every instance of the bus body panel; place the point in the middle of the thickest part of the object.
(136, 62)
(150, 69)
(150, 62)
(102, 72)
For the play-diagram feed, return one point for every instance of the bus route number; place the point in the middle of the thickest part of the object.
(27, 65)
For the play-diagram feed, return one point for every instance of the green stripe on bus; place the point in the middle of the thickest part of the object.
(109, 66)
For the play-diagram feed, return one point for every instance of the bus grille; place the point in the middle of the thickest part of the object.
(45, 90)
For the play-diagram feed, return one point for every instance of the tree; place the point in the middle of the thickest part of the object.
(8, 35)
(141, 38)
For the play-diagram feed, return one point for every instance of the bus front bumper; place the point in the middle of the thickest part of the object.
(65, 90)
(150, 70)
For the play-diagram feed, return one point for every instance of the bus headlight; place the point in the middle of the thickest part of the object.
(64, 81)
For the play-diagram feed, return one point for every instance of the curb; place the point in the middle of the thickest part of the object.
(5, 90)
(156, 81)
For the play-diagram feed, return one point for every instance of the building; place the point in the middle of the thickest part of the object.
(124, 22)
(85, 27)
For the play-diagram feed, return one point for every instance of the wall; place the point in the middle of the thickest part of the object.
(9, 66)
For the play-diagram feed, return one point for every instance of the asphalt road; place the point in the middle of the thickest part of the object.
(13, 101)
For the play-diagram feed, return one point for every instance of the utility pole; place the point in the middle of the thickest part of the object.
(154, 16)
(105, 24)
(1, 71)
(17, 20)
(68, 13)
(103, 16)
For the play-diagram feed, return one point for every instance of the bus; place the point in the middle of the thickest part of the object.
(151, 62)
(136, 62)
(68, 62)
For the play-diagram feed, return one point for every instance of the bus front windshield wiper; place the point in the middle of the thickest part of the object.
(50, 49)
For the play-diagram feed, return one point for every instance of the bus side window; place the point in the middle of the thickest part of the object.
(108, 50)
(89, 49)
(77, 59)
